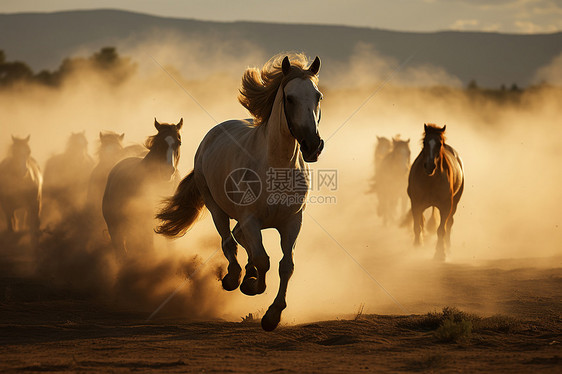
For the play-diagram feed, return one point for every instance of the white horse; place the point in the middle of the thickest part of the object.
(234, 161)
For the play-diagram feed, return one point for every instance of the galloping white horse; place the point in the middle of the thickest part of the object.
(233, 163)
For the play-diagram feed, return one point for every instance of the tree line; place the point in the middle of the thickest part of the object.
(106, 61)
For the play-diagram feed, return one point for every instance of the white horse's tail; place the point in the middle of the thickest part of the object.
(181, 210)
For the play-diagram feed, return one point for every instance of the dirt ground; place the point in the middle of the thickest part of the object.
(46, 330)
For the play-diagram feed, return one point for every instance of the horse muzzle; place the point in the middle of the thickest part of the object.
(429, 168)
(311, 154)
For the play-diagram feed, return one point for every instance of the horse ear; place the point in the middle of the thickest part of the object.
(27, 139)
(378, 138)
(444, 127)
(408, 141)
(315, 66)
(425, 127)
(286, 65)
(180, 124)
(122, 136)
(101, 135)
(156, 124)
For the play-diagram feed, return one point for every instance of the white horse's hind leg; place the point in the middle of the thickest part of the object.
(286, 266)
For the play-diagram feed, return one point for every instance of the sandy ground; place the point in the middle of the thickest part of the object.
(46, 330)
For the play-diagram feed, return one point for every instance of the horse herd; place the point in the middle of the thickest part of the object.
(283, 98)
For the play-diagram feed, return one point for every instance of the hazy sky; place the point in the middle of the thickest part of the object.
(513, 16)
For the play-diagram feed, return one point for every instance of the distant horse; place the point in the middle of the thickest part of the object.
(237, 157)
(20, 187)
(391, 181)
(67, 176)
(436, 180)
(383, 147)
(135, 186)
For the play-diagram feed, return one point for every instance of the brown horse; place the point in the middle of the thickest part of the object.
(66, 178)
(20, 187)
(136, 185)
(110, 152)
(391, 180)
(384, 146)
(436, 180)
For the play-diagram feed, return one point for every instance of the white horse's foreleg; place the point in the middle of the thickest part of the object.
(257, 256)
(286, 266)
(251, 271)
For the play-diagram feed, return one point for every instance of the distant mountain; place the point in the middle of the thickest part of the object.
(43, 39)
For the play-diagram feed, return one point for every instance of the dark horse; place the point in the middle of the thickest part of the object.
(110, 152)
(20, 187)
(391, 179)
(135, 186)
(436, 180)
(66, 178)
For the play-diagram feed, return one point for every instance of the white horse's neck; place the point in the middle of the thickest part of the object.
(282, 147)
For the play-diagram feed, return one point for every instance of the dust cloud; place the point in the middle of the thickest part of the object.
(345, 257)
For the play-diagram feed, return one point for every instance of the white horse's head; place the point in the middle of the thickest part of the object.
(302, 110)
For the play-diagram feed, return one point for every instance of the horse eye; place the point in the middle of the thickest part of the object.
(290, 100)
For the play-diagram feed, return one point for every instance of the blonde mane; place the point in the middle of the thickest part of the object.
(259, 86)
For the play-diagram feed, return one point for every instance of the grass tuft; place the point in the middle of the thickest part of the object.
(454, 331)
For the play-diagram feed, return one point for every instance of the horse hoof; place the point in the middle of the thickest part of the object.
(270, 320)
(249, 286)
(230, 282)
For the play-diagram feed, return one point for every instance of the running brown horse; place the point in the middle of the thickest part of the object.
(21, 187)
(136, 185)
(436, 180)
